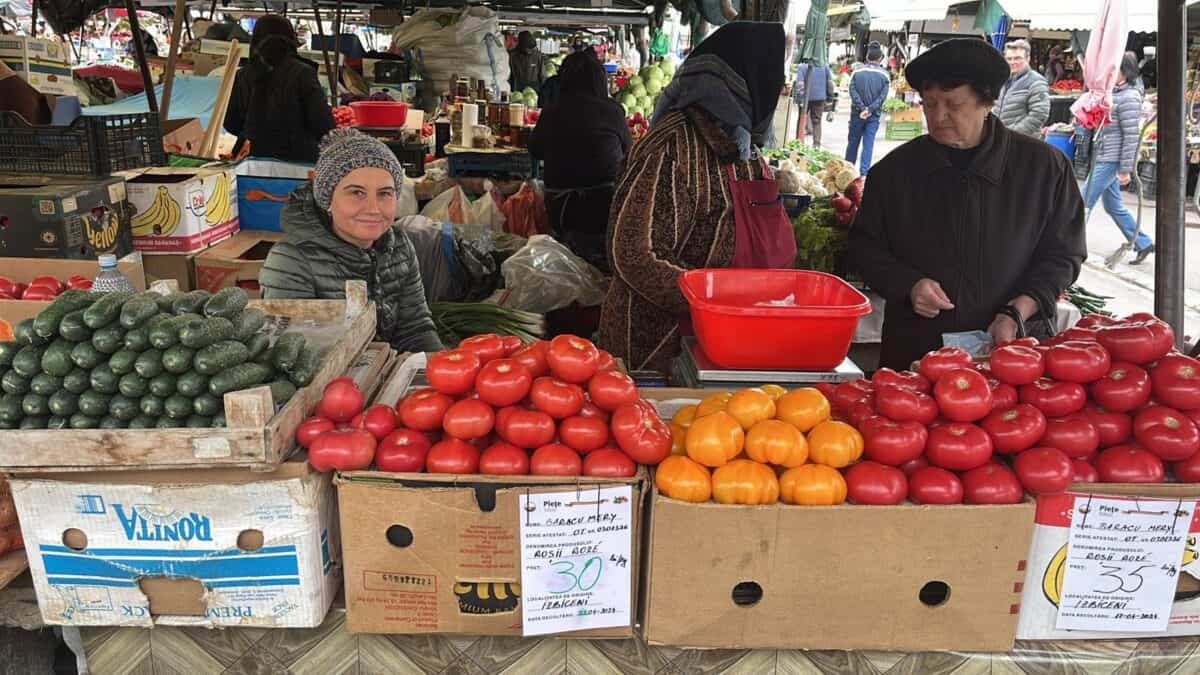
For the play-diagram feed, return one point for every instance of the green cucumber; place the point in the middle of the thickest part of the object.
(109, 339)
(73, 328)
(166, 301)
(191, 384)
(165, 422)
(282, 391)
(287, 351)
(104, 380)
(28, 361)
(57, 422)
(47, 321)
(178, 359)
(200, 333)
(7, 351)
(133, 386)
(199, 422)
(163, 385)
(149, 364)
(123, 407)
(138, 339)
(77, 381)
(110, 422)
(63, 403)
(94, 404)
(45, 384)
(242, 376)
(259, 344)
(85, 355)
(142, 422)
(226, 302)
(178, 407)
(190, 303)
(137, 311)
(25, 334)
(14, 383)
(207, 405)
(122, 362)
(218, 420)
(35, 404)
(105, 310)
(220, 357)
(247, 323)
(151, 405)
(56, 360)
(306, 367)
(34, 422)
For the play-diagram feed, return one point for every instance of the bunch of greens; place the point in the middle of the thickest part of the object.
(894, 105)
(1086, 301)
(820, 243)
(816, 157)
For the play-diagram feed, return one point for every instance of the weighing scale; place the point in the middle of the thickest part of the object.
(693, 369)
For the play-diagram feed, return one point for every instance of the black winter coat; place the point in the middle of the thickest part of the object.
(287, 120)
(313, 262)
(1011, 224)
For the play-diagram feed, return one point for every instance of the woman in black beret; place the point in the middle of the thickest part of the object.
(970, 227)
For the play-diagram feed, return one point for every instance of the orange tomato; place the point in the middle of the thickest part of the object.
(775, 442)
(681, 478)
(684, 416)
(715, 439)
(678, 440)
(812, 485)
(712, 404)
(6, 331)
(750, 406)
(835, 444)
(802, 408)
(772, 390)
(743, 481)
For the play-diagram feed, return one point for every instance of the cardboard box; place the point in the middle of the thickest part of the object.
(203, 64)
(44, 64)
(178, 266)
(905, 578)
(23, 270)
(217, 548)
(235, 261)
(1047, 556)
(909, 115)
(76, 218)
(263, 187)
(182, 136)
(182, 209)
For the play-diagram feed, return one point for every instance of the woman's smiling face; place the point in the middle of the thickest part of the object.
(364, 206)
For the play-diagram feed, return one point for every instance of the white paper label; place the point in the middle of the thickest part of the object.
(69, 205)
(576, 559)
(116, 192)
(1123, 560)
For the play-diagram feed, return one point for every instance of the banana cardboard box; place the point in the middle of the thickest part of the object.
(1047, 564)
(181, 209)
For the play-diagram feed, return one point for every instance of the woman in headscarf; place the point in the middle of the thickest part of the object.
(277, 105)
(695, 193)
(525, 63)
(581, 139)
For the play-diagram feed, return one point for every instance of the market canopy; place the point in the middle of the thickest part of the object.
(815, 49)
(910, 10)
(1079, 14)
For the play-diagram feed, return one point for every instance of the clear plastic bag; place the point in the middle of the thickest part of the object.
(545, 275)
(525, 212)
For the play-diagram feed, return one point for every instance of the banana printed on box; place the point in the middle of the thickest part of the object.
(182, 209)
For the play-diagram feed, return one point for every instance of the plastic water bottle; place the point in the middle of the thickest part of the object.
(110, 278)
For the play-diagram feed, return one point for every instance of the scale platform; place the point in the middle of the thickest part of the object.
(693, 369)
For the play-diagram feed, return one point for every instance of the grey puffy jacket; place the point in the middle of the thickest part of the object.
(313, 262)
(1119, 138)
(1024, 104)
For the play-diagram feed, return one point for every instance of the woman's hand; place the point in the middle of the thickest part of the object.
(1003, 329)
(928, 298)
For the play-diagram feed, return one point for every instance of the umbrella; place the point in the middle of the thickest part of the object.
(814, 50)
(1104, 52)
(992, 22)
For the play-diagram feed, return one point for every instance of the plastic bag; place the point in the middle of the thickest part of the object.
(463, 42)
(458, 262)
(454, 206)
(525, 212)
(544, 276)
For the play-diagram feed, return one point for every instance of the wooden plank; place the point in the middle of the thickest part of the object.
(12, 565)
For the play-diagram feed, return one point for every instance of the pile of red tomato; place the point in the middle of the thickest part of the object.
(40, 288)
(1106, 401)
(499, 407)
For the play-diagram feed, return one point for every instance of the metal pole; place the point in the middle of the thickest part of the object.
(33, 12)
(337, 48)
(1169, 281)
(333, 93)
(140, 51)
(172, 55)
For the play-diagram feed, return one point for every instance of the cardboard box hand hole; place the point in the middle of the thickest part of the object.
(747, 594)
(399, 536)
(934, 594)
(250, 540)
(74, 539)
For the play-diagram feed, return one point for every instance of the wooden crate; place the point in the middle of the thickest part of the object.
(909, 115)
(254, 436)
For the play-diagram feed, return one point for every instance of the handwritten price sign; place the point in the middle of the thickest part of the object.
(575, 553)
(1123, 558)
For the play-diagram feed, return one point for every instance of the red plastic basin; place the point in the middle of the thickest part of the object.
(812, 332)
(379, 113)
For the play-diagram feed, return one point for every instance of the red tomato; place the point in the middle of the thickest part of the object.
(1077, 361)
(583, 434)
(590, 409)
(609, 463)
(963, 395)
(1017, 364)
(875, 484)
(847, 394)
(9, 287)
(1129, 464)
(555, 460)
(607, 362)
(1167, 433)
(511, 344)
(38, 293)
(931, 485)
(80, 282)
(469, 418)
(342, 450)
(572, 359)
(611, 389)
(312, 427)
(452, 371)
(1024, 342)
(1014, 429)
(860, 411)
(533, 355)
(503, 382)
(1140, 341)
(379, 419)
(1114, 428)
(452, 456)
(827, 389)
(641, 433)
(504, 459)
(992, 483)
(1084, 472)
(341, 400)
(488, 347)
(424, 409)
(958, 446)
(1126, 387)
(935, 364)
(894, 443)
(1053, 398)
(1003, 395)
(528, 429)
(1044, 471)
(913, 465)
(1074, 434)
(1096, 321)
(1076, 334)
(905, 405)
(906, 379)
(1176, 380)
(556, 398)
(49, 282)
(402, 451)
(1187, 471)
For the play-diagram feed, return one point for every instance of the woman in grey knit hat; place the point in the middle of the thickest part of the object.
(341, 225)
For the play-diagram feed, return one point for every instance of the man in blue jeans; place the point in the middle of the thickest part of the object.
(869, 88)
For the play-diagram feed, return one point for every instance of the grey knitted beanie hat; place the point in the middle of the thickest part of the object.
(344, 150)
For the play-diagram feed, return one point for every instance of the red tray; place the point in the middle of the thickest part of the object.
(379, 113)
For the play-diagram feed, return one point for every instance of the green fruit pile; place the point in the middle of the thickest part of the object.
(641, 91)
(125, 360)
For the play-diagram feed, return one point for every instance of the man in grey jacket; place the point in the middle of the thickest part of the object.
(1024, 104)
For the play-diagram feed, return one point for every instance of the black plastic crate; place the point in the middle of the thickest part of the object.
(487, 164)
(89, 146)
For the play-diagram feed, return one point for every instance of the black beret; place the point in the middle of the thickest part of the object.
(959, 60)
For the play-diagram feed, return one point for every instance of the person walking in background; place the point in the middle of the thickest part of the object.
(815, 83)
(1055, 69)
(1118, 154)
(526, 63)
(1024, 104)
(869, 88)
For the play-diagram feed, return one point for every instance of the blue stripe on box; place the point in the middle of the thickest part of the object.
(166, 553)
(87, 581)
(213, 568)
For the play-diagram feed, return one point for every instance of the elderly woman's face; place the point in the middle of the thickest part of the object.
(955, 117)
(363, 206)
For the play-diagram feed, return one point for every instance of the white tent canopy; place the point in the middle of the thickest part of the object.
(1078, 14)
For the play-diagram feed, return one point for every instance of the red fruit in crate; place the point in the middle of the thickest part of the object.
(504, 459)
(963, 395)
(992, 483)
(931, 485)
(424, 409)
(341, 400)
(1129, 464)
(1044, 471)
(312, 427)
(402, 451)
(379, 419)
